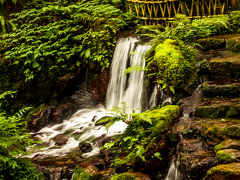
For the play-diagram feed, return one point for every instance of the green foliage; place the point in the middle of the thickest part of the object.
(123, 176)
(175, 64)
(189, 31)
(52, 40)
(13, 141)
(233, 45)
(139, 142)
(117, 114)
(80, 174)
(235, 19)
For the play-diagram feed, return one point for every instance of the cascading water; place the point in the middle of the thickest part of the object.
(122, 89)
(81, 126)
(173, 172)
(155, 100)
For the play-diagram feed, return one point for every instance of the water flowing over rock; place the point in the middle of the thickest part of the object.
(173, 172)
(79, 137)
(123, 88)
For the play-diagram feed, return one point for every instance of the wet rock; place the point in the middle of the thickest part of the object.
(225, 68)
(191, 145)
(211, 43)
(228, 155)
(99, 86)
(213, 89)
(228, 144)
(63, 112)
(196, 165)
(232, 131)
(42, 120)
(55, 173)
(85, 147)
(60, 139)
(91, 170)
(224, 172)
(100, 141)
(234, 45)
(218, 108)
(218, 129)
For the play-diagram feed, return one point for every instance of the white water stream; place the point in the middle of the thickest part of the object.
(81, 126)
(173, 172)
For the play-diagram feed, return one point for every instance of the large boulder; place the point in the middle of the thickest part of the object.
(224, 172)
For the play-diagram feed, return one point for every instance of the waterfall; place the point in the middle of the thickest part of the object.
(81, 126)
(120, 88)
(173, 172)
(158, 97)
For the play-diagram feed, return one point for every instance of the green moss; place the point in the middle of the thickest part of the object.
(123, 176)
(223, 156)
(140, 141)
(211, 112)
(175, 63)
(232, 131)
(213, 90)
(224, 171)
(80, 174)
(228, 144)
(225, 68)
(228, 155)
(233, 112)
(233, 45)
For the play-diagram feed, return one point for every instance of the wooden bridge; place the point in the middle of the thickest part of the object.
(152, 12)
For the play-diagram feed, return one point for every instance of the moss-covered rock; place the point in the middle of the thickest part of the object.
(130, 176)
(224, 172)
(232, 131)
(218, 108)
(225, 68)
(211, 43)
(233, 45)
(228, 155)
(211, 89)
(218, 129)
(198, 163)
(161, 118)
(228, 144)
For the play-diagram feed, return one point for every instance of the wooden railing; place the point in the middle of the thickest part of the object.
(153, 12)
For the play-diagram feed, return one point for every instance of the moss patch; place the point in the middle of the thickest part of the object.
(228, 144)
(228, 155)
(224, 90)
(224, 171)
(225, 68)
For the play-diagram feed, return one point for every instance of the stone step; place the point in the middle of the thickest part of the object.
(217, 130)
(228, 155)
(229, 89)
(224, 172)
(219, 108)
(228, 144)
(225, 68)
(225, 41)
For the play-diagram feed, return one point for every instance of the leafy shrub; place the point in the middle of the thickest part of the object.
(235, 19)
(175, 63)
(144, 131)
(55, 39)
(189, 31)
(13, 141)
